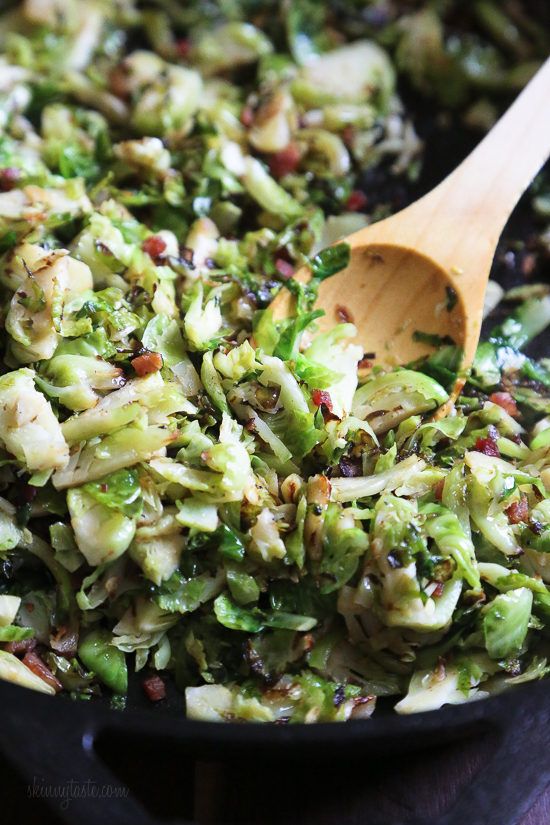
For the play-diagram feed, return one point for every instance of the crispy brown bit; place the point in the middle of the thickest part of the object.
(318, 497)
(17, 648)
(487, 446)
(356, 201)
(376, 257)
(343, 314)
(154, 246)
(518, 511)
(147, 363)
(247, 116)
(64, 641)
(183, 47)
(506, 401)
(322, 398)
(118, 81)
(284, 268)
(9, 178)
(348, 133)
(33, 661)
(438, 590)
(528, 265)
(471, 597)
(154, 688)
(284, 162)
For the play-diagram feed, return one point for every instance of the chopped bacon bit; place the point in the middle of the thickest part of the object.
(528, 265)
(284, 268)
(24, 646)
(326, 407)
(284, 162)
(506, 401)
(154, 688)
(147, 363)
(154, 246)
(438, 590)
(183, 47)
(321, 397)
(348, 133)
(64, 641)
(34, 662)
(343, 314)
(9, 178)
(247, 116)
(365, 364)
(488, 446)
(518, 511)
(118, 81)
(356, 201)
(438, 489)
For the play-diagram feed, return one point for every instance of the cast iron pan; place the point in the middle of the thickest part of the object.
(55, 740)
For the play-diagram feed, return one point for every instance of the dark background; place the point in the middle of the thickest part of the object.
(367, 791)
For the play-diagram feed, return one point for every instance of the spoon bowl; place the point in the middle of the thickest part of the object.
(418, 279)
(404, 303)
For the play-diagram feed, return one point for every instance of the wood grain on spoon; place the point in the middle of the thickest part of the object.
(426, 268)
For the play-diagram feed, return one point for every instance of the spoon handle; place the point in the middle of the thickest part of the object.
(488, 184)
(458, 223)
(463, 217)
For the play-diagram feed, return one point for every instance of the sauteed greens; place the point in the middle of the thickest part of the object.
(191, 490)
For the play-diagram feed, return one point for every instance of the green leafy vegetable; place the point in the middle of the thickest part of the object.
(330, 261)
(505, 622)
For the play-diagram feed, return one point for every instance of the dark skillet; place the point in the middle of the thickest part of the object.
(51, 742)
(56, 741)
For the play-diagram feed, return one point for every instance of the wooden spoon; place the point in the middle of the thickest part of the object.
(426, 267)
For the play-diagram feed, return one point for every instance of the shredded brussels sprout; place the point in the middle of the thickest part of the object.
(251, 508)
